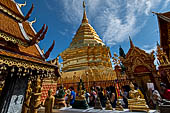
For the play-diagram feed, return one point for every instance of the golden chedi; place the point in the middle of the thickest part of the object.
(86, 53)
(135, 102)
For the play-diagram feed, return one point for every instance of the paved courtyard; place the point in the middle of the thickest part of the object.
(90, 110)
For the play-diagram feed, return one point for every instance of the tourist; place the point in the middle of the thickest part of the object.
(125, 95)
(87, 95)
(156, 98)
(113, 96)
(68, 97)
(92, 97)
(164, 91)
(73, 96)
(101, 96)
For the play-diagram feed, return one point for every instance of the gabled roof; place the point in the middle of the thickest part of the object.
(164, 16)
(28, 28)
(12, 6)
(11, 27)
(19, 32)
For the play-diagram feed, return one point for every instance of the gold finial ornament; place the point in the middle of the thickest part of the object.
(22, 5)
(33, 21)
(85, 20)
(84, 5)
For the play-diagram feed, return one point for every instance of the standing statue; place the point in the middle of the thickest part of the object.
(27, 98)
(136, 102)
(49, 102)
(35, 101)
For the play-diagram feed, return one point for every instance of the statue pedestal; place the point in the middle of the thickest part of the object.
(60, 103)
(80, 104)
(137, 105)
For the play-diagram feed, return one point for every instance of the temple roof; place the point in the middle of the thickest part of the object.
(22, 57)
(15, 28)
(164, 16)
(12, 6)
(85, 34)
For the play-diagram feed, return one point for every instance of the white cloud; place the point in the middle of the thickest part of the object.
(151, 49)
(114, 20)
(166, 3)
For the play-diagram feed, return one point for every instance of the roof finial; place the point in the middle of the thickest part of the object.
(84, 5)
(131, 43)
(33, 21)
(85, 20)
(22, 5)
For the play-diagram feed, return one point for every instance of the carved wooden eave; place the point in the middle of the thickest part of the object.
(27, 63)
(136, 51)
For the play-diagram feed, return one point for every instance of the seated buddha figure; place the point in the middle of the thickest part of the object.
(136, 102)
(80, 101)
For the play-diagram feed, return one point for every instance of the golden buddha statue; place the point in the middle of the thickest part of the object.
(80, 101)
(108, 105)
(81, 94)
(49, 102)
(136, 102)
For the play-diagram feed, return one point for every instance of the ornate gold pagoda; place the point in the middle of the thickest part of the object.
(87, 56)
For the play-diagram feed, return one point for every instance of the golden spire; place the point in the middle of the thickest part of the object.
(22, 5)
(85, 20)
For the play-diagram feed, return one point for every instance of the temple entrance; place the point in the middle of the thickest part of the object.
(142, 76)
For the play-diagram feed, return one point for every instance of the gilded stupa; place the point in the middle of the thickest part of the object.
(87, 57)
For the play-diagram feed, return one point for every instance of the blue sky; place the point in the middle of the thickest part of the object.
(113, 20)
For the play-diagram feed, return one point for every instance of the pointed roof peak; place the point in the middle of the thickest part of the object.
(158, 43)
(84, 20)
(131, 43)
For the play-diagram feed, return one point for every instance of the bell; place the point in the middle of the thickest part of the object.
(13, 69)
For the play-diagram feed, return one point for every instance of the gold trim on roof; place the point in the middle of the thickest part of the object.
(10, 13)
(12, 39)
(25, 64)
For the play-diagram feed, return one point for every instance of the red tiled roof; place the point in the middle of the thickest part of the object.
(10, 5)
